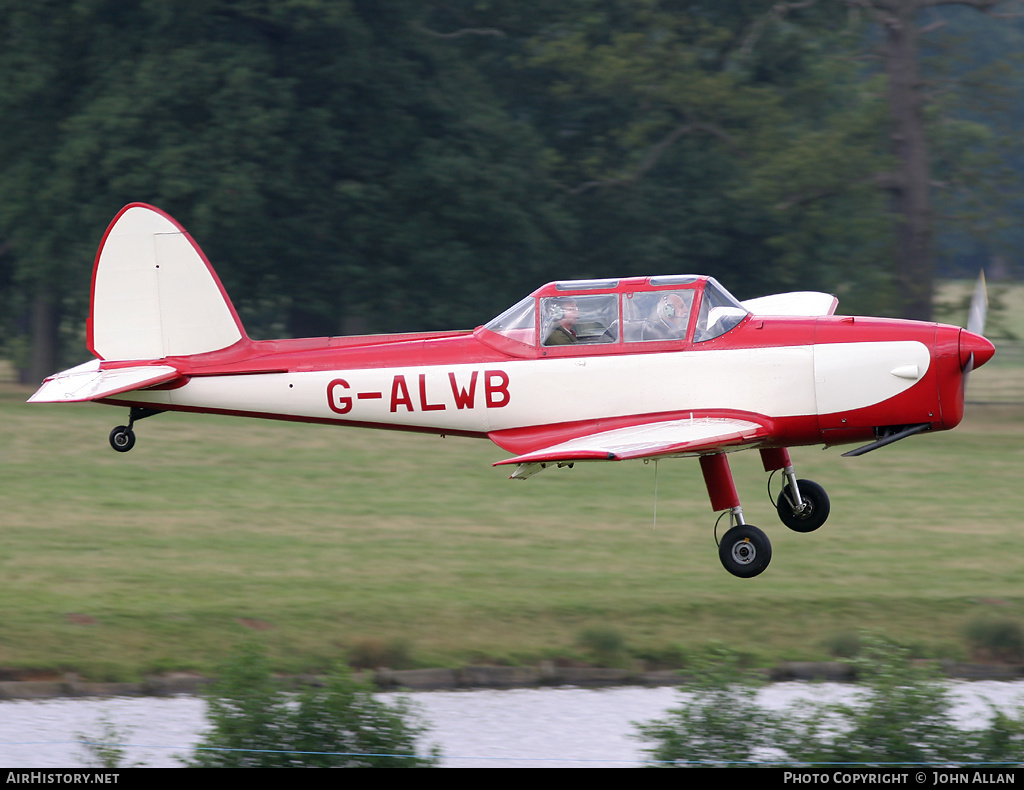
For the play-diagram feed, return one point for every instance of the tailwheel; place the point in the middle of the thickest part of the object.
(745, 551)
(122, 438)
(804, 510)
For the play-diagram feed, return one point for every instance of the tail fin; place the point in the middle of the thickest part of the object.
(154, 294)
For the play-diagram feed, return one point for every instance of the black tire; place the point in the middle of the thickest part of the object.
(815, 511)
(122, 438)
(745, 551)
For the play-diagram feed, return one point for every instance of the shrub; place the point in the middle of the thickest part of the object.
(719, 723)
(374, 653)
(1001, 639)
(843, 644)
(105, 750)
(606, 645)
(258, 724)
(901, 716)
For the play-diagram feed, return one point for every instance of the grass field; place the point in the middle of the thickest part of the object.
(327, 543)
(322, 541)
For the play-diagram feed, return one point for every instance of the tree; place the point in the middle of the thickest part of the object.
(902, 715)
(358, 166)
(258, 724)
(911, 180)
(719, 722)
(701, 138)
(775, 144)
(342, 169)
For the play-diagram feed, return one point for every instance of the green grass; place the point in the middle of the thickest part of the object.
(318, 540)
(328, 543)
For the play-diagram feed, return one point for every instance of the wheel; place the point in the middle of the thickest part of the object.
(122, 438)
(745, 551)
(815, 510)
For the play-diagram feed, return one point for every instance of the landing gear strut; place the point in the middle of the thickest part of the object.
(803, 505)
(122, 438)
(744, 550)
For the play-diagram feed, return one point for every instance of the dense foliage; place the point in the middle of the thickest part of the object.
(903, 714)
(355, 166)
(255, 723)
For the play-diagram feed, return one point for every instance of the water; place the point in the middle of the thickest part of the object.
(565, 727)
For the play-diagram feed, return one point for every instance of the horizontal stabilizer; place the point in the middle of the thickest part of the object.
(651, 440)
(88, 382)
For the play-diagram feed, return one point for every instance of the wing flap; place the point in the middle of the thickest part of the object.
(651, 440)
(90, 382)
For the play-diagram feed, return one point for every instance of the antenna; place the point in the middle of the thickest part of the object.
(655, 525)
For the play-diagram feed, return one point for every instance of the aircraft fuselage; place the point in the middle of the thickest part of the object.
(825, 379)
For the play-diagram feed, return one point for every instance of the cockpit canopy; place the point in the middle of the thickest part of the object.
(681, 308)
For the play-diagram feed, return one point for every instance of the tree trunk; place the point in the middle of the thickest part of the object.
(45, 323)
(914, 269)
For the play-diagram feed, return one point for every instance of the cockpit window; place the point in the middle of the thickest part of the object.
(567, 320)
(646, 315)
(719, 312)
(517, 323)
(657, 315)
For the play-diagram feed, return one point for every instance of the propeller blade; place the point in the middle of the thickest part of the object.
(975, 326)
(979, 307)
(966, 375)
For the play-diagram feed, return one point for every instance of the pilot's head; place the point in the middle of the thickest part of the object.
(564, 311)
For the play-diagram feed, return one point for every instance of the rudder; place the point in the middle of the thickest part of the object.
(154, 294)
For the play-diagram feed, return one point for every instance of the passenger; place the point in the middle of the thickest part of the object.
(668, 321)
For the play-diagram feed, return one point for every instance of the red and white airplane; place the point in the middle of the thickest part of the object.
(584, 370)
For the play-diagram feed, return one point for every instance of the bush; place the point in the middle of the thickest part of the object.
(258, 724)
(999, 639)
(842, 645)
(720, 722)
(902, 716)
(605, 644)
(105, 750)
(374, 653)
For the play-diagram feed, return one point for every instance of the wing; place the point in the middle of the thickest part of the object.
(89, 382)
(667, 438)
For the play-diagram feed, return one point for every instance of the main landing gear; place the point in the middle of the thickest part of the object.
(122, 438)
(744, 550)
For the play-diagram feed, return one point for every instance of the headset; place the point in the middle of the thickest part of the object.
(558, 308)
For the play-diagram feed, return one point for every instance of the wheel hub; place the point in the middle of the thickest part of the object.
(744, 552)
(805, 511)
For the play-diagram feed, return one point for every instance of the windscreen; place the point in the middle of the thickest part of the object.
(719, 312)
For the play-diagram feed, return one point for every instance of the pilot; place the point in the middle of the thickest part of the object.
(564, 312)
(668, 321)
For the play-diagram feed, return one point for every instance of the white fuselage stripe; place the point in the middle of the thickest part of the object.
(775, 382)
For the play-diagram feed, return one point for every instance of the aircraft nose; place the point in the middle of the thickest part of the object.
(981, 348)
